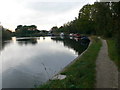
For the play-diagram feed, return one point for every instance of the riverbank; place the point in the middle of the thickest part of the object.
(80, 74)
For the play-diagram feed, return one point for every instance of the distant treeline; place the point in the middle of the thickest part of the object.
(23, 31)
(100, 18)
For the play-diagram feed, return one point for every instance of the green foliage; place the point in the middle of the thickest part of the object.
(112, 50)
(5, 34)
(101, 18)
(116, 9)
(22, 31)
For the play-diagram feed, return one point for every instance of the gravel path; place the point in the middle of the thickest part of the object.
(107, 72)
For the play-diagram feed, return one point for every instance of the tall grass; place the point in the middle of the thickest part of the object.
(112, 51)
(80, 74)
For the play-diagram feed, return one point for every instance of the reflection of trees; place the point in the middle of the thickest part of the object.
(76, 45)
(3, 44)
(32, 41)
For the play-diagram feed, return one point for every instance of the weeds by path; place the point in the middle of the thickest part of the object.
(112, 51)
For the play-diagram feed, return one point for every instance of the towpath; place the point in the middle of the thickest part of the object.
(107, 72)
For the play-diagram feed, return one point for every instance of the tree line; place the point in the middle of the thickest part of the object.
(22, 31)
(27, 31)
(100, 18)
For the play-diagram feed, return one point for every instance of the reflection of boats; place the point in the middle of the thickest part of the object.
(62, 37)
(85, 38)
(71, 38)
(77, 39)
(62, 34)
(74, 43)
(77, 35)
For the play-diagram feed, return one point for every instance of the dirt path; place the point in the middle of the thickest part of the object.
(107, 73)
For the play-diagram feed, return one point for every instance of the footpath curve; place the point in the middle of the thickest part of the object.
(106, 70)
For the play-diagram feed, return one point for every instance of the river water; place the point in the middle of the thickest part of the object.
(31, 61)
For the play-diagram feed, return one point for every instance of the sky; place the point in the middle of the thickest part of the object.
(43, 13)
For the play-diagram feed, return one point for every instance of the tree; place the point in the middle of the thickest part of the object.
(6, 34)
(116, 16)
(26, 30)
(54, 29)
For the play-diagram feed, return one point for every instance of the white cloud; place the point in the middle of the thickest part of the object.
(43, 13)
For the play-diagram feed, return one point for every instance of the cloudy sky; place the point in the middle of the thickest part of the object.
(43, 13)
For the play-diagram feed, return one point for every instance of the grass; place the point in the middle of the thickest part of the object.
(81, 74)
(112, 50)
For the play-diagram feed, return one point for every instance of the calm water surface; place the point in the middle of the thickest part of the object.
(29, 62)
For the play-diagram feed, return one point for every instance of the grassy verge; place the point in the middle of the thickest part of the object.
(113, 52)
(80, 74)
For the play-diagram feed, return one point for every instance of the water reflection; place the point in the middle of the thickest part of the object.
(74, 43)
(27, 41)
(4, 44)
(28, 62)
(20, 41)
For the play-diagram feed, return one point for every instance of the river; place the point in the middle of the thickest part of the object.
(31, 61)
